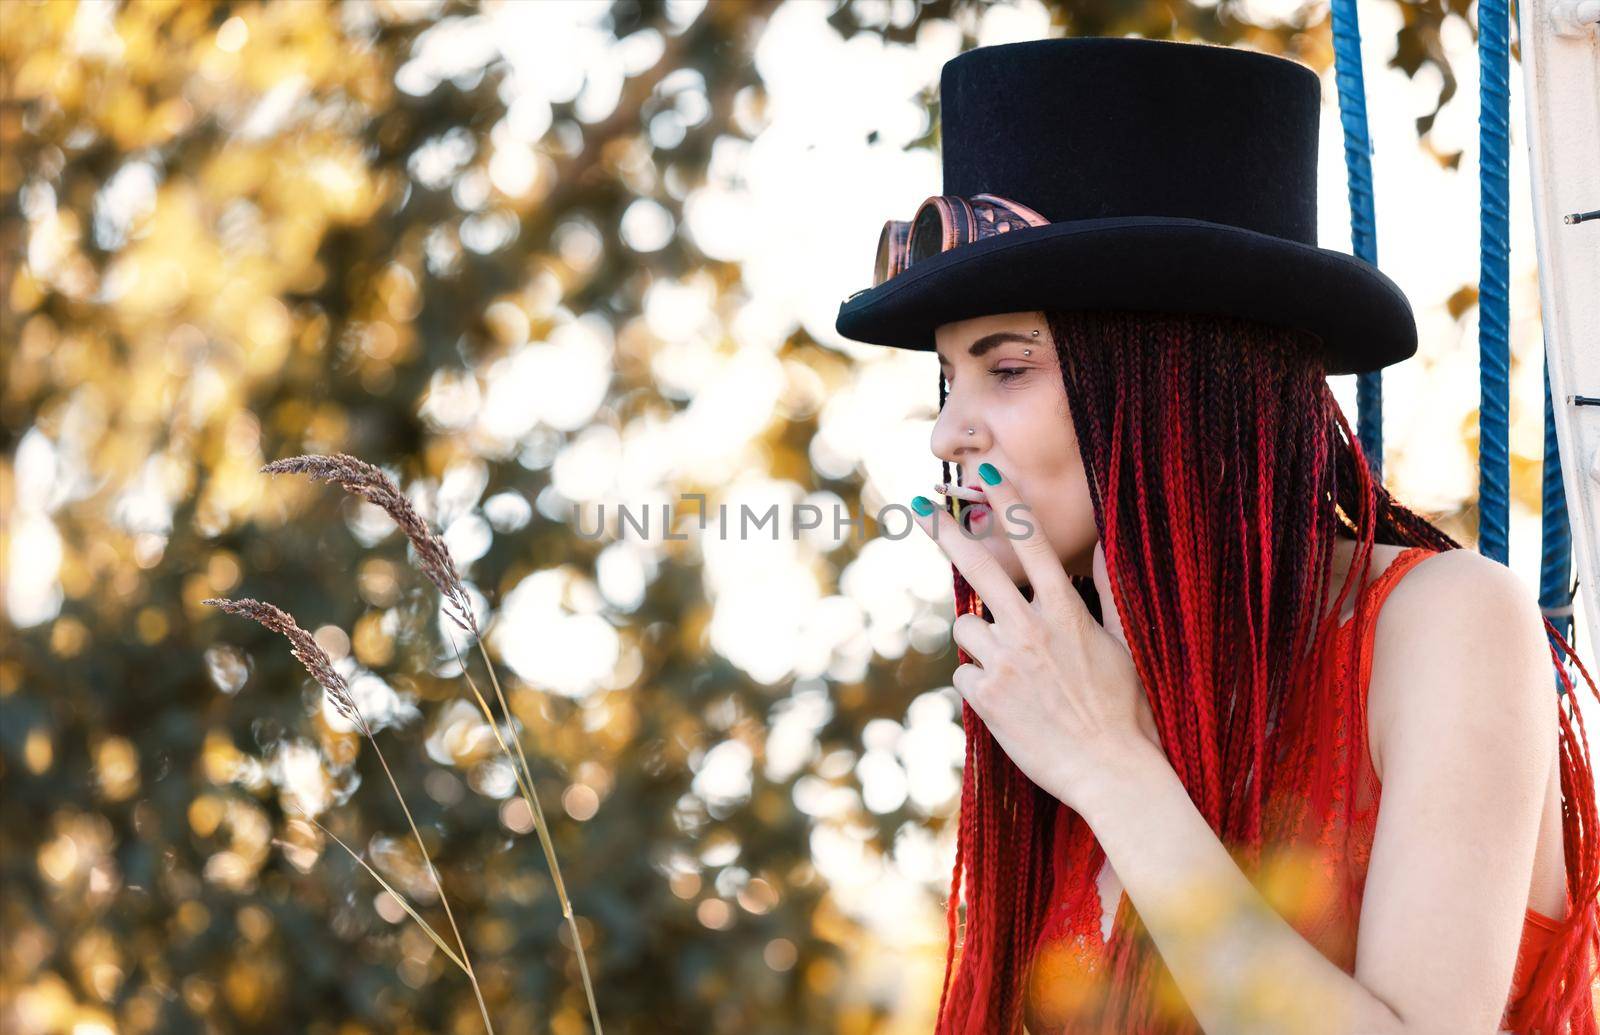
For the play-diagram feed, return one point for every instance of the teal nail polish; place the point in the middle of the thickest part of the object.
(989, 473)
(922, 505)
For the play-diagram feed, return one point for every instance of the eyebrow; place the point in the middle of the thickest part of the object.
(990, 341)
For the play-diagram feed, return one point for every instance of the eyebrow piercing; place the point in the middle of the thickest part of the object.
(1035, 333)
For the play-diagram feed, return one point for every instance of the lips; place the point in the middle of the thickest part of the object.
(972, 508)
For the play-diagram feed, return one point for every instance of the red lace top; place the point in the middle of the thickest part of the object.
(1317, 886)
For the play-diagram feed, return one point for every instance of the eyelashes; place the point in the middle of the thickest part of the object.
(1004, 375)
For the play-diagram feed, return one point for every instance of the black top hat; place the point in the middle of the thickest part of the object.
(1175, 177)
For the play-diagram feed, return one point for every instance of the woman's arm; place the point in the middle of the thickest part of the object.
(1465, 730)
(1240, 966)
(1462, 705)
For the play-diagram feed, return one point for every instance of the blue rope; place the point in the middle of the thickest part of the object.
(1494, 301)
(1363, 224)
(1555, 591)
(1494, 304)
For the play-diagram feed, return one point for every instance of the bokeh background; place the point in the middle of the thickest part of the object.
(530, 257)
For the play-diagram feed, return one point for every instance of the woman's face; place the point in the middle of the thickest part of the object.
(1005, 384)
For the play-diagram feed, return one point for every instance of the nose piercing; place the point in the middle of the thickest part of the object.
(970, 431)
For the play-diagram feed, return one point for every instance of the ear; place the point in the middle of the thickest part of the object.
(1110, 619)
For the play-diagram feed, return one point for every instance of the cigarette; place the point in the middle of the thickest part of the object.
(960, 492)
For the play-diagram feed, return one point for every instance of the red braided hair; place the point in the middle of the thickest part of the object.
(1221, 469)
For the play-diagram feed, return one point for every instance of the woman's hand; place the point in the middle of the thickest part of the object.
(1058, 691)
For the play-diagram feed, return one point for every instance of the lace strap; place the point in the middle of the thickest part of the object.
(1365, 619)
(1363, 624)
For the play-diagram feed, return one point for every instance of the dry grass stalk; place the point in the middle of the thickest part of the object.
(525, 784)
(316, 661)
(404, 902)
(371, 484)
(434, 559)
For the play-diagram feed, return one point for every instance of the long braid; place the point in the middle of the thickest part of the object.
(1220, 470)
(968, 801)
(1004, 851)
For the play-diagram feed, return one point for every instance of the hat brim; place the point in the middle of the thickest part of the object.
(1151, 264)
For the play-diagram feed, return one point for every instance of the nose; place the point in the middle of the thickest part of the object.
(950, 440)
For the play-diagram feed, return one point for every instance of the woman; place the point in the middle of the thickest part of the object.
(1178, 730)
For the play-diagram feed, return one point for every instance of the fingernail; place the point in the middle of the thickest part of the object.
(989, 473)
(922, 505)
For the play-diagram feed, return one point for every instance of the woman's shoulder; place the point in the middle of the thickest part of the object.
(1412, 583)
(1456, 635)
(1478, 594)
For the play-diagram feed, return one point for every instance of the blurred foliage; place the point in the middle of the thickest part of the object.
(231, 235)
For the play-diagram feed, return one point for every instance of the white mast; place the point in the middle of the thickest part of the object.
(1561, 77)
